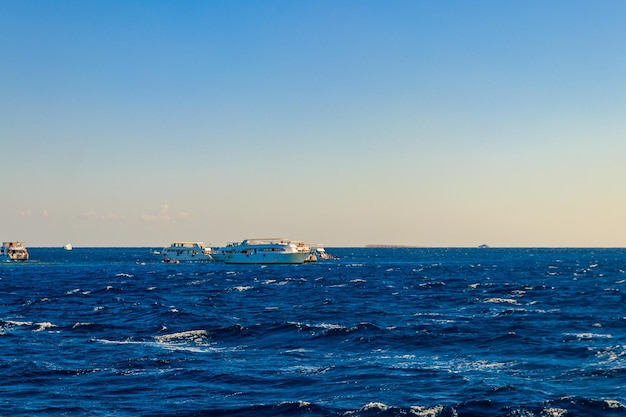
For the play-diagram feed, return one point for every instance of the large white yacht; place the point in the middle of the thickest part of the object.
(265, 251)
(186, 251)
(13, 251)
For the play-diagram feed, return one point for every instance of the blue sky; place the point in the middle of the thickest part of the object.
(337, 122)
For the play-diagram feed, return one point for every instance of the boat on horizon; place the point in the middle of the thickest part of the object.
(186, 251)
(13, 251)
(68, 246)
(264, 251)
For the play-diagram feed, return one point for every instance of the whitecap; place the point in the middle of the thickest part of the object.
(192, 335)
(423, 411)
(18, 323)
(408, 356)
(375, 406)
(589, 336)
(553, 412)
(43, 326)
(500, 300)
(611, 353)
(242, 288)
(614, 404)
(328, 326)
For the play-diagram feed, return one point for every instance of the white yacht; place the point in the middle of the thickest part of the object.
(266, 251)
(13, 251)
(186, 251)
(219, 253)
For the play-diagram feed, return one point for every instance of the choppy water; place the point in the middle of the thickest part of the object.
(378, 332)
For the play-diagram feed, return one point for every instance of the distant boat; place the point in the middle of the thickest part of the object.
(68, 246)
(13, 251)
(186, 251)
(483, 246)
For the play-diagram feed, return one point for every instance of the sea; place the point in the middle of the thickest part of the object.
(375, 332)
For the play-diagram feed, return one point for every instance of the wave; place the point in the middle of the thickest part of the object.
(567, 406)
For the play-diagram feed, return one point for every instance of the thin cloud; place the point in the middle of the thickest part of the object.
(92, 214)
(112, 217)
(88, 214)
(161, 215)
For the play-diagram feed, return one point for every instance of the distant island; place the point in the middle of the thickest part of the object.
(377, 245)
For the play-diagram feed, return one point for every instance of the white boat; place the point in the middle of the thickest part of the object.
(186, 251)
(266, 251)
(68, 246)
(219, 253)
(13, 251)
(320, 253)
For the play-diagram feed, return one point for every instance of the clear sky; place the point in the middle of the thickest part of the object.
(418, 122)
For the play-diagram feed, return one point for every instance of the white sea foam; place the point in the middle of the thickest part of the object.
(611, 353)
(422, 411)
(499, 300)
(18, 323)
(614, 404)
(375, 406)
(242, 288)
(189, 335)
(43, 326)
(329, 326)
(553, 412)
(304, 369)
(589, 336)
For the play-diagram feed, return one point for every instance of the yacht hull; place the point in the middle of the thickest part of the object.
(266, 258)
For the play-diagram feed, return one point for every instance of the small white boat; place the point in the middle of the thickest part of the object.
(68, 246)
(13, 251)
(320, 253)
(186, 251)
(266, 251)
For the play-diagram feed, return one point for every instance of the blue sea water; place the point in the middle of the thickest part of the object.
(376, 332)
